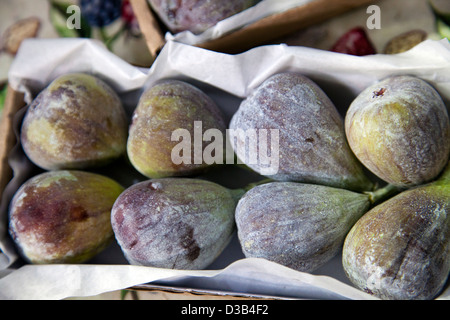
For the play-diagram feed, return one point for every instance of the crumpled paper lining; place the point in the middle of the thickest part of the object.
(267, 279)
(261, 10)
(227, 79)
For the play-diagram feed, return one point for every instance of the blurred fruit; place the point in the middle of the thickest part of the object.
(129, 18)
(442, 9)
(100, 13)
(354, 42)
(23, 29)
(405, 41)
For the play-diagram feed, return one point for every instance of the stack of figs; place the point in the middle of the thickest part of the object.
(372, 183)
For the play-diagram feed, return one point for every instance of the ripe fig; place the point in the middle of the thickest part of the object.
(63, 216)
(197, 16)
(400, 249)
(175, 223)
(163, 109)
(301, 226)
(77, 122)
(311, 146)
(399, 129)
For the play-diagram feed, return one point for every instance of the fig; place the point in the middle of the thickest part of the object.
(301, 226)
(399, 129)
(197, 15)
(63, 216)
(164, 109)
(311, 146)
(76, 122)
(175, 223)
(400, 249)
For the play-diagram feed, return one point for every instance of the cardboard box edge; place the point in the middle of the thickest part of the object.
(281, 24)
(211, 294)
(13, 103)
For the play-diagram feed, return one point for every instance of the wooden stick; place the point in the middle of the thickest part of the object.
(13, 102)
(149, 26)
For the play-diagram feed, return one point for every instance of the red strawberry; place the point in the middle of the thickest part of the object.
(354, 42)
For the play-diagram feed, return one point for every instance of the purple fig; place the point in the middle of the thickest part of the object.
(311, 146)
(175, 223)
(301, 226)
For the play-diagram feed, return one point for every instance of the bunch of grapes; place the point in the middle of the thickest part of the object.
(100, 13)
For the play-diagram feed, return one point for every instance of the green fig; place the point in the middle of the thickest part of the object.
(301, 226)
(164, 109)
(63, 216)
(77, 122)
(400, 130)
(400, 249)
(175, 223)
(311, 146)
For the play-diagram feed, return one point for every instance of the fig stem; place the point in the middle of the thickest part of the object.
(382, 193)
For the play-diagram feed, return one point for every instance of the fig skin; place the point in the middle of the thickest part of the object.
(400, 249)
(63, 216)
(399, 129)
(162, 109)
(301, 226)
(312, 143)
(197, 16)
(175, 223)
(77, 122)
